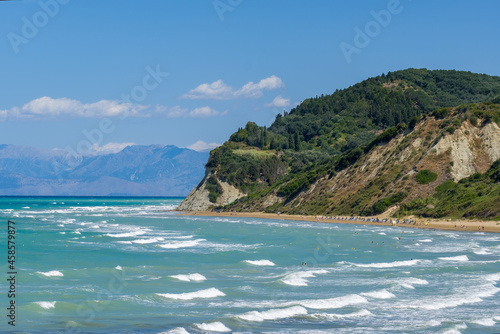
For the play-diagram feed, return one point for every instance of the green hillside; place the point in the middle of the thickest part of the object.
(325, 135)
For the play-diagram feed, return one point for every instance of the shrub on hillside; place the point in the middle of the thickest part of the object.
(426, 176)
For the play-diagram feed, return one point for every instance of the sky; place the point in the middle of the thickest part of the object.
(99, 75)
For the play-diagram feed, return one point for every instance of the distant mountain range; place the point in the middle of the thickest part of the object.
(137, 170)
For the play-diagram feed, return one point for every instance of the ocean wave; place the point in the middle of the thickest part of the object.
(207, 293)
(46, 305)
(331, 303)
(273, 314)
(492, 277)
(118, 268)
(147, 241)
(190, 277)
(260, 262)
(425, 240)
(379, 294)
(181, 244)
(481, 251)
(177, 330)
(418, 281)
(455, 329)
(487, 322)
(126, 234)
(473, 296)
(459, 258)
(388, 264)
(299, 278)
(408, 283)
(213, 327)
(327, 316)
(52, 273)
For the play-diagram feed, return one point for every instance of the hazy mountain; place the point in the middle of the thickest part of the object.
(135, 171)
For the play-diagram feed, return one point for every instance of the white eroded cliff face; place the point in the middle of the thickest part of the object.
(198, 199)
(472, 149)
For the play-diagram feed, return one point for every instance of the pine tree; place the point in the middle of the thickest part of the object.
(297, 141)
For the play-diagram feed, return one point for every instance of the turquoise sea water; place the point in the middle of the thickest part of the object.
(107, 265)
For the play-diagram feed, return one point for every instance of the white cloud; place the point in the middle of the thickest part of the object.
(47, 106)
(202, 112)
(202, 146)
(176, 111)
(109, 148)
(218, 90)
(279, 102)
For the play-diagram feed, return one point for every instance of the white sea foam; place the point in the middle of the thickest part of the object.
(181, 244)
(459, 258)
(388, 264)
(492, 277)
(472, 296)
(432, 323)
(425, 240)
(52, 273)
(207, 293)
(328, 316)
(455, 330)
(273, 314)
(408, 283)
(190, 277)
(379, 294)
(213, 327)
(382, 233)
(125, 242)
(331, 303)
(127, 234)
(147, 241)
(416, 281)
(299, 278)
(46, 305)
(481, 251)
(487, 322)
(260, 262)
(118, 268)
(177, 330)
(181, 237)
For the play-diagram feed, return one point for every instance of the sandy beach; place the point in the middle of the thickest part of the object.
(444, 224)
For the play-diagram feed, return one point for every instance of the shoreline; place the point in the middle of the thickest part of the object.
(432, 224)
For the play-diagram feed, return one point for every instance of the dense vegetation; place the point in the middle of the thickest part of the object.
(426, 176)
(326, 134)
(475, 196)
(351, 117)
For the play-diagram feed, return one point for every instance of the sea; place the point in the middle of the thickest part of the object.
(132, 265)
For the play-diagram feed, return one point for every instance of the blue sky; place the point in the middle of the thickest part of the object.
(107, 73)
